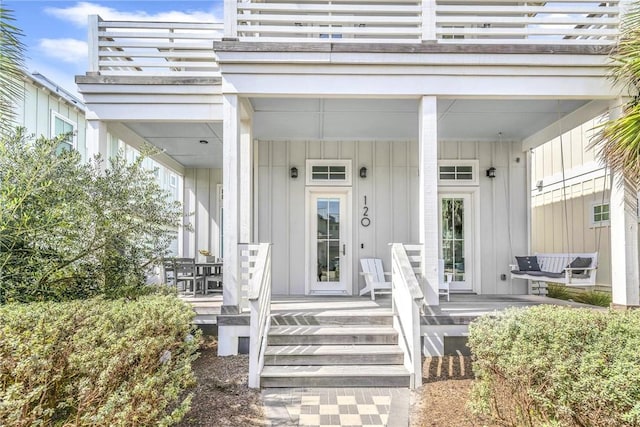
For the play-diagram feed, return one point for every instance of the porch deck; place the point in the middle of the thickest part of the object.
(461, 310)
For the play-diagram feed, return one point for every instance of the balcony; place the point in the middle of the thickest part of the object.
(186, 49)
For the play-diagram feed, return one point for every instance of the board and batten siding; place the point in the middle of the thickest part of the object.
(202, 211)
(34, 114)
(391, 188)
(502, 227)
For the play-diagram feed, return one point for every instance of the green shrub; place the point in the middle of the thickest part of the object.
(71, 230)
(557, 366)
(96, 362)
(557, 291)
(602, 299)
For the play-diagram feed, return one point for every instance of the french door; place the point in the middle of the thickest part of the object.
(456, 239)
(328, 250)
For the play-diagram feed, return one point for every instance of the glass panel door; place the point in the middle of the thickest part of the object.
(328, 251)
(456, 239)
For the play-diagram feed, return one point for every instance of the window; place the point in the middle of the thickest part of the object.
(328, 172)
(458, 172)
(61, 125)
(600, 214)
(173, 180)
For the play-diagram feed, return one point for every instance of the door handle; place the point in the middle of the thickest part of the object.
(344, 251)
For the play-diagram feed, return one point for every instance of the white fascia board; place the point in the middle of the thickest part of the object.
(513, 86)
(178, 99)
(85, 89)
(575, 118)
(227, 58)
(149, 112)
(122, 132)
(411, 70)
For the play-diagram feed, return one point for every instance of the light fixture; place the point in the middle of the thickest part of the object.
(491, 172)
(204, 141)
(363, 172)
(293, 172)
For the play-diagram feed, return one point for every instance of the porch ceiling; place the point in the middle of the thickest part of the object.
(363, 119)
(182, 141)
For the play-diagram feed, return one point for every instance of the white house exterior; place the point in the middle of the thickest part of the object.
(294, 100)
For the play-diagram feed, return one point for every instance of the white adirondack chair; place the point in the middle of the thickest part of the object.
(374, 277)
(444, 280)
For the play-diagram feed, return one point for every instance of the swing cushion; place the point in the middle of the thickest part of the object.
(527, 263)
(579, 263)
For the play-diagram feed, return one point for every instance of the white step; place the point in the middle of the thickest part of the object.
(363, 317)
(319, 335)
(334, 355)
(335, 376)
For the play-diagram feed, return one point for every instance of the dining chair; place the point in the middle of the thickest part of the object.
(169, 271)
(185, 272)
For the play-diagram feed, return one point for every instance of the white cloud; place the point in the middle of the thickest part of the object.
(72, 51)
(78, 14)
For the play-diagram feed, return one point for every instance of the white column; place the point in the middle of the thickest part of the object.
(428, 197)
(428, 20)
(624, 237)
(94, 48)
(97, 140)
(246, 168)
(230, 19)
(230, 203)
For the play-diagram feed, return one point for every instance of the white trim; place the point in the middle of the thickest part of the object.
(346, 270)
(52, 132)
(310, 163)
(474, 164)
(220, 218)
(592, 221)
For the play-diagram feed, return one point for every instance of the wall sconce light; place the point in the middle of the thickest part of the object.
(363, 172)
(539, 185)
(491, 172)
(293, 172)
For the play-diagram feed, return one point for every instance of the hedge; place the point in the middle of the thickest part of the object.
(96, 362)
(557, 366)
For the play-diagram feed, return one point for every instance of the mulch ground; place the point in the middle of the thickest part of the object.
(222, 398)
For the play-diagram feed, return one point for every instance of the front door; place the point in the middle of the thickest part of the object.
(328, 253)
(456, 239)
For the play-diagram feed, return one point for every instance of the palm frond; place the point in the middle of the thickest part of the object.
(11, 69)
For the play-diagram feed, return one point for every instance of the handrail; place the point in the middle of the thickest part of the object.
(407, 299)
(259, 294)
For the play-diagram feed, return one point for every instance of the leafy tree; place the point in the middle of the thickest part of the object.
(11, 68)
(70, 229)
(618, 140)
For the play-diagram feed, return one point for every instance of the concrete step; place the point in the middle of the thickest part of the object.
(326, 335)
(334, 355)
(329, 318)
(335, 376)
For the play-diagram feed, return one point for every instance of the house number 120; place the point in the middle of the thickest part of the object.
(365, 221)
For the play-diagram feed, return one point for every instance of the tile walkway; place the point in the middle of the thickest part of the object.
(345, 407)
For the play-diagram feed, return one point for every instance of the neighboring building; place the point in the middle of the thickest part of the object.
(569, 186)
(333, 129)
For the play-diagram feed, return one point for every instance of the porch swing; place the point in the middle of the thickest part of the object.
(569, 269)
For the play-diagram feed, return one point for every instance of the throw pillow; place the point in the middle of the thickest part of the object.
(579, 263)
(527, 263)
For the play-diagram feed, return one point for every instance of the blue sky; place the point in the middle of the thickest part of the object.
(55, 31)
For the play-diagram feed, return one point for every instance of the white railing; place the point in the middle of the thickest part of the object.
(548, 22)
(153, 48)
(260, 307)
(330, 20)
(407, 306)
(406, 21)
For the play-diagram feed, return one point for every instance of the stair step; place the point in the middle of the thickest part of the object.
(329, 318)
(335, 376)
(349, 334)
(334, 355)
